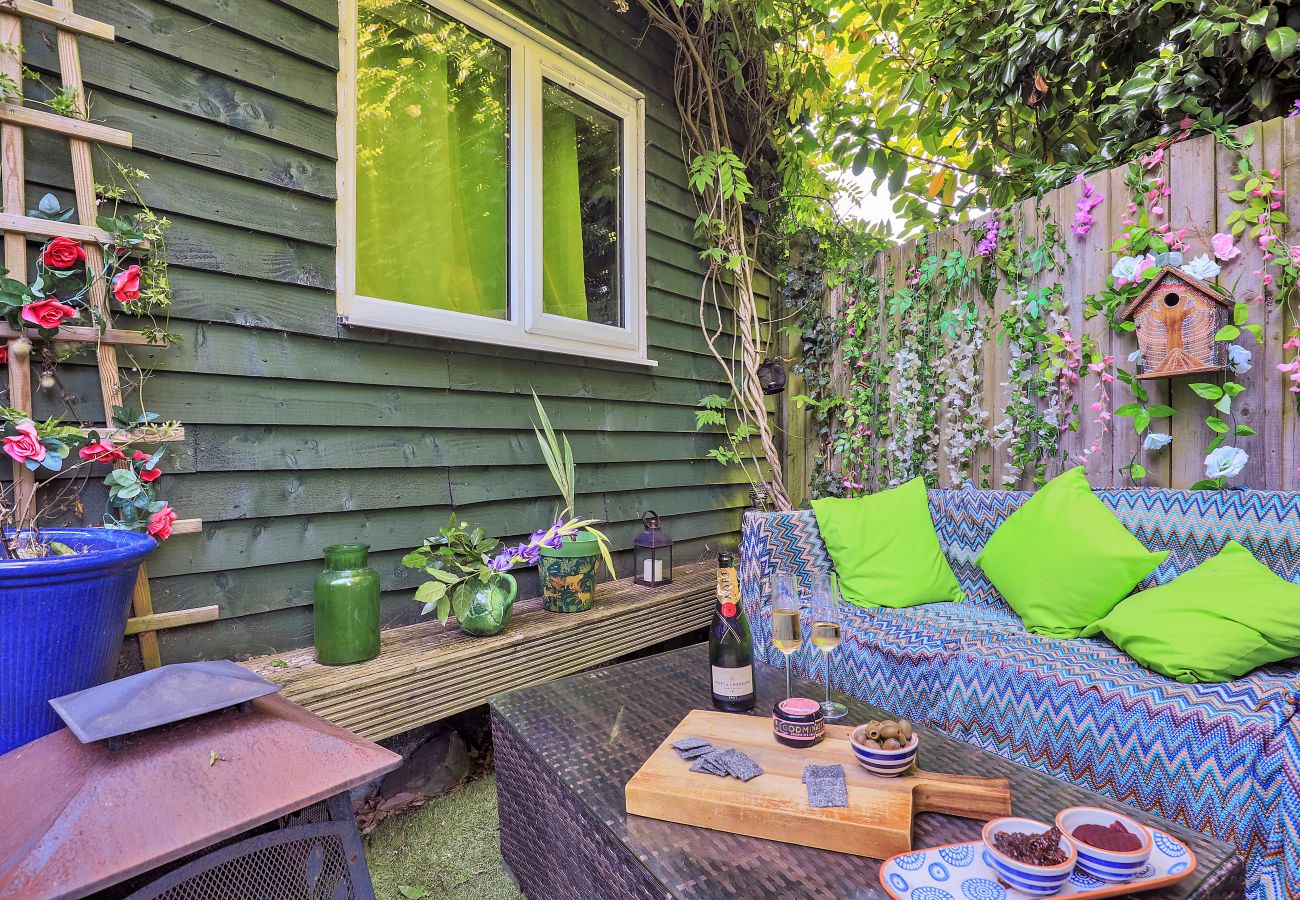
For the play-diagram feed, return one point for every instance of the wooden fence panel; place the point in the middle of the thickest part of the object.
(1199, 178)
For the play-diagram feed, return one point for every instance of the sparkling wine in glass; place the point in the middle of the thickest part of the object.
(787, 631)
(825, 633)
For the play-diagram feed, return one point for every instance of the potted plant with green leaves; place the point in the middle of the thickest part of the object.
(569, 561)
(464, 579)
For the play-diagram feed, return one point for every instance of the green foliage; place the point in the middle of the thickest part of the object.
(453, 555)
(712, 413)
(558, 456)
(959, 105)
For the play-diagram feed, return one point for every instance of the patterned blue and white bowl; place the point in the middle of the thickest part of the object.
(1036, 881)
(1111, 866)
(888, 763)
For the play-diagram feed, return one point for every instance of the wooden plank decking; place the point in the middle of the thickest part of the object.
(427, 671)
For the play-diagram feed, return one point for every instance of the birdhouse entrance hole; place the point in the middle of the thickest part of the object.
(1171, 299)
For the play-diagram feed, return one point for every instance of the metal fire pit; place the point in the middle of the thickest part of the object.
(157, 697)
(229, 806)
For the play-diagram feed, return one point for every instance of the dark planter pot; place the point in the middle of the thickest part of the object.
(62, 620)
(568, 574)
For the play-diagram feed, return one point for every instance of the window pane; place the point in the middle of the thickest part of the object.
(432, 176)
(582, 171)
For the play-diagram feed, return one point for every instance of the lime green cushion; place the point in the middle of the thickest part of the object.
(1228, 616)
(884, 548)
(1062, 560)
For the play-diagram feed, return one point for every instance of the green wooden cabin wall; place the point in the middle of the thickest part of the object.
(301, 433)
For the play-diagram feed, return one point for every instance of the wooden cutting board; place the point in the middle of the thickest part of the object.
(877, 822)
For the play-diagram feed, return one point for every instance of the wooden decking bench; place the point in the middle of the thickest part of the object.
(427, 671)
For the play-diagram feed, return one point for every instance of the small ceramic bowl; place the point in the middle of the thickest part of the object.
(1036, 881)
(1111, 866)
(888, 763)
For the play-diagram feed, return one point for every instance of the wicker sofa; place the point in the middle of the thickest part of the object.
(1221, 758)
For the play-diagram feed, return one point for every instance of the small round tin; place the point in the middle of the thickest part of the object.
(798, 722)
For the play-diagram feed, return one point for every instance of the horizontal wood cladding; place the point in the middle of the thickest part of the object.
(301, 433)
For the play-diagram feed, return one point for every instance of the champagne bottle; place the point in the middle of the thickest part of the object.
(731, 646)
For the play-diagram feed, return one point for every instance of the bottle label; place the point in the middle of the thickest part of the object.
(729, 682)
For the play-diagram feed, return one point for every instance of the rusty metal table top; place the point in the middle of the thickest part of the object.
(593, 731)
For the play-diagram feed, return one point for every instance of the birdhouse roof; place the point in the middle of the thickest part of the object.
(1155, 283)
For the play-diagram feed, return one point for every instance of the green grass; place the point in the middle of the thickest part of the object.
(448, 848)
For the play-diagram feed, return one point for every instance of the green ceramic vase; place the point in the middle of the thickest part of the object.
(483, 606)
(568, 574)
(346, 609)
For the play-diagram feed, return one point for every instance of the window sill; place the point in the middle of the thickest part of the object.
(526, 341)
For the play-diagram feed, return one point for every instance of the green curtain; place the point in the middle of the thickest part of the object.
(431, 161)
(564, 290)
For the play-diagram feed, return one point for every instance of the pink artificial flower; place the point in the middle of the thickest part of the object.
(126, 285)
(48, 313)
(26, 444)
(147, 474)
(1224, 247)
(1150, 160)
(102, 451)
(160, 523)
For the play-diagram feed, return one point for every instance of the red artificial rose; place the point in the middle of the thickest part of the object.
(126, 285)
(149, 474)
(26, 444)
(48, 313)
(102, 451)
(4, 354)
(160, 523)
(63, 253)
(729, 610)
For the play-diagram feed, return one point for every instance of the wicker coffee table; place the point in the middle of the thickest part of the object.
(564, 751)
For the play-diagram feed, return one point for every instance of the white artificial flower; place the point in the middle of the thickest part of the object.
(1202, 267)
(1225, 462)
(1126, 269)
(1155, 440)
(1238, 358)
(1136, 356)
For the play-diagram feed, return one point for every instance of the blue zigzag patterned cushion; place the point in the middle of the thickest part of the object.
(1222, 758)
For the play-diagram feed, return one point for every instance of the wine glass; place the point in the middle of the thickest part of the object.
(787, 631)
(825, 633)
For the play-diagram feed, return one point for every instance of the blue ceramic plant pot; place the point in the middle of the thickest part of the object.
(62, 620)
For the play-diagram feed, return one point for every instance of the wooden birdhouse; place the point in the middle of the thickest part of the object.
(1177, 316)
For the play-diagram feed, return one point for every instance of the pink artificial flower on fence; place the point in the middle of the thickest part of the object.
(1083, 207)
(26, 444)
(989, 242)
(48, 313)
(1150, 160)
(1291, 370)
(1223, 246)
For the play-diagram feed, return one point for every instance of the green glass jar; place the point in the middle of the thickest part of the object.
(346, 607)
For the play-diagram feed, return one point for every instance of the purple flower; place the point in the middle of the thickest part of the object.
(502, 561)
(1295, 110)
(529, 553)
(551, 537)
(989, 242)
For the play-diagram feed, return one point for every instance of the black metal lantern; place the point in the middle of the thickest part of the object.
(771, 376)
(654, 553)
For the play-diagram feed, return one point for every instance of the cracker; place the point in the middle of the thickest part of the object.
(824, 793)
(690, 743)
(815, 771)
(695, 752)
(740, 765)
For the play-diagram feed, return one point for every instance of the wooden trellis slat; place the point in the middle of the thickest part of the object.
(19, 227)
(91, 131)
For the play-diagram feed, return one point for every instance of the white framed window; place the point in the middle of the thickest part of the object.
(491, 183)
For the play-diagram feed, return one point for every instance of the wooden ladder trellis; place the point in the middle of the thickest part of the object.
(18, 227)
